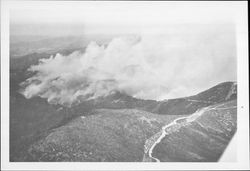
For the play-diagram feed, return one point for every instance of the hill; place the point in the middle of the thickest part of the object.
(200, 137)
(129, 135)
(107, 135)
(30, 119)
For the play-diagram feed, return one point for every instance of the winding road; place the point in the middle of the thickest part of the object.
(174, 125)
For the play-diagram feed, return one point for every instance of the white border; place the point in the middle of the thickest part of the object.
(243, 99)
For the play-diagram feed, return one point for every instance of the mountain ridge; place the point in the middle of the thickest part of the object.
(120, 135)
(45, 117)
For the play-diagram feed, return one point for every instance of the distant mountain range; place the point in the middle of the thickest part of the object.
(24, 45)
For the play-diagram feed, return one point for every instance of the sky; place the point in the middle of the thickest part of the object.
(113, 17)
(160, 50)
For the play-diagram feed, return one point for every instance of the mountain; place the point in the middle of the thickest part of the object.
(200, 137)
(35, 124)
(116, 128)
(28, 45)
(222, 92)
(107, 135)
(180, 106)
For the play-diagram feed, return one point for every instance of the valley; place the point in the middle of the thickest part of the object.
(118, 127)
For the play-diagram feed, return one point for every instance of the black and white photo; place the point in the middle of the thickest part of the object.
(100, 81)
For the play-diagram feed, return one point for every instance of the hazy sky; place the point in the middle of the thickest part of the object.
(180, 48)
(113, 17)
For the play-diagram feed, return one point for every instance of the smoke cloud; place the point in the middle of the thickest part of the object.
(147, 66)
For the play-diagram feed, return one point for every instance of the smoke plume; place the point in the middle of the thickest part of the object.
(146, 66)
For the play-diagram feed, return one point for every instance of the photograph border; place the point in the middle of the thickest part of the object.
(242, 135)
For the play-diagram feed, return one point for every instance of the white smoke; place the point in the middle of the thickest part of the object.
(147, 66)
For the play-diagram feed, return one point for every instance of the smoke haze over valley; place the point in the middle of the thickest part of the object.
(157, 58)
(130, 82)
(155, 67)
